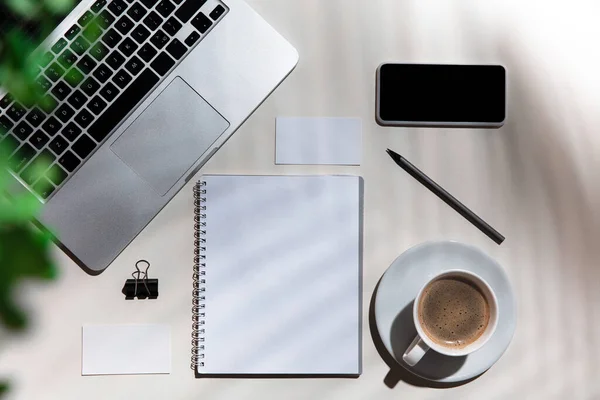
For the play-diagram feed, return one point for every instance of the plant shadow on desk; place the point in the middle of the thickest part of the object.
(402, 333)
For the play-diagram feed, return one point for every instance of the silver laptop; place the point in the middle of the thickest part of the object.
(133, 110)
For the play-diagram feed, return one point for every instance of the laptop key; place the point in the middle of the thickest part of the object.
(86, 64)
(99, 5)
(23, 155)
(149, 3)
(172, 26)
(192, 38)
(128, 47)
(176, 49)
(6, 100)
(105, 19)
(84, 118)
(115, 60)
(69, 161)
(48, 103)
(217, 12)
(8, 145)
(147, 52)
(90, 86)
(43, 84)
(140, 34)
(67, 59)
(72, 32)
(83, 146)
(165, 7)
(102, 73)
(65, 112)
(85, 19)
(126, 102)
(39, 139)
(136, 12)
(117, 7)
(44, 188)
(16, 111)
(23, 130)
(159, 39)
(56, 174)
(74, 77)
(124, 25)
(58, 145)
(96, 105)
(35, 117)
(162, 64)
(71, 131)
(188, 9)
(54, 72)
(134, 65)
(46, 59)
(77, 99)
(37, 167)
(51, 126)
(122, 78)
(111, 38)
(80, 45)
(99, 51)
(92, 32)
(58, 46)
(109, 91)
(153, 20)
(5, 125)
(201, 22)
(61, 90)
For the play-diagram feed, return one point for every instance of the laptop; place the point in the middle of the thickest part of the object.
(133, 110)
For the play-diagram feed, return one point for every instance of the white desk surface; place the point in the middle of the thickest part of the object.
(535, 180)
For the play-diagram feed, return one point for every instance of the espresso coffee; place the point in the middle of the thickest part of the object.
(453, 312)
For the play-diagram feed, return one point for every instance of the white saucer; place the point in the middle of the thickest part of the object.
(399, 286)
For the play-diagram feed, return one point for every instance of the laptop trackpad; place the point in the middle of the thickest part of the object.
(169, 136)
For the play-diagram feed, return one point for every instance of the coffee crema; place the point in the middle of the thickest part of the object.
(453, 312)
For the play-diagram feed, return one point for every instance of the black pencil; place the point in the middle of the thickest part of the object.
(446, 197)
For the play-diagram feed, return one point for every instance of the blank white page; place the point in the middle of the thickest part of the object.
(283, 275)
(126, 349)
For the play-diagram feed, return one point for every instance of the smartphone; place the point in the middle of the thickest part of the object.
(441, 95)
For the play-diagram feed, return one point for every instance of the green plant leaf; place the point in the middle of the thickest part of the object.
(24, 253)
(59, 6)
(21, 209)
(25, 8)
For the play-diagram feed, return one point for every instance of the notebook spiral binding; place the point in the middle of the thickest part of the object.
(199, 281)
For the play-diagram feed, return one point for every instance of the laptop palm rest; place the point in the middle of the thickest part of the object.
(169, 136)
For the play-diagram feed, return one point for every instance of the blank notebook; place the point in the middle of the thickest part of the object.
(277, 280)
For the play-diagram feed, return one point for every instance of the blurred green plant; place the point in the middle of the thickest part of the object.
(24, 250)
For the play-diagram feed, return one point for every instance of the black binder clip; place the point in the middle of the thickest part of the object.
(140, 286)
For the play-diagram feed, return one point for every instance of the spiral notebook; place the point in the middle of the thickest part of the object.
(278, 272)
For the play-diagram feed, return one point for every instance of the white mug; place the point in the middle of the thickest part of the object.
(422, 343)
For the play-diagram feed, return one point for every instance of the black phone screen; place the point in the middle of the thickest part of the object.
(442, 93)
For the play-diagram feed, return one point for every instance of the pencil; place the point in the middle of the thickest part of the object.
(446, 197)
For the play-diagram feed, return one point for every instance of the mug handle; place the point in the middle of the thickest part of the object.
(415, 351)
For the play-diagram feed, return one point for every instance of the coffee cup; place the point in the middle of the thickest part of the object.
(455, 313)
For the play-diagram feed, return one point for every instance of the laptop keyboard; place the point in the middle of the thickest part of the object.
(92, 78)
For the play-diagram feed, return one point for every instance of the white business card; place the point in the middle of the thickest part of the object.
(318, 141)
